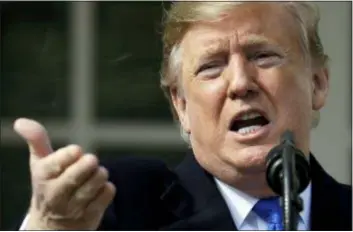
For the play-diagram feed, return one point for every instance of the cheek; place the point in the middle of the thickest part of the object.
(205, 101)
(291, 96)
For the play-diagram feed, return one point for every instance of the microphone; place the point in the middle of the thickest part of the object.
(288, 174)
(275, 165)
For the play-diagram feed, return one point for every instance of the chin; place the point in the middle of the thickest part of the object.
(250, 159)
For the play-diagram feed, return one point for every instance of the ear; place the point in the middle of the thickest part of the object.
(320, 83)
(180, 106)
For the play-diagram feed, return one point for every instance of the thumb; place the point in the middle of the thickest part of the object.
(36, 137)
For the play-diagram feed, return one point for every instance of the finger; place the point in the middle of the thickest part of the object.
(88, 191)
(102, 200)
(73, 177)
(53, 165)
(36, 137)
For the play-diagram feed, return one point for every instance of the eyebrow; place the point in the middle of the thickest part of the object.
(221, 46)
(255, 41)
(213, 48)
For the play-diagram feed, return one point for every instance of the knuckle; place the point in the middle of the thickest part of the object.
(83, 195)
(53, 169)
(91, 159)
(112, 189)
(50, 167)
(88, 191)
(109, 192)
(74, 149)
(61, 159)
(75, 176)
(61, 152)
(71, 181)
(103, 173)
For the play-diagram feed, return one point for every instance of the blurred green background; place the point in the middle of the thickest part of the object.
(36, 82)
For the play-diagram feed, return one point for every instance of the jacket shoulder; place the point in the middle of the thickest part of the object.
(134, 167)
(139, 183)
(344, 194)
(331, 202)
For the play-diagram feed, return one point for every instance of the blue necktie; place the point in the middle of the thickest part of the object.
(270, 210)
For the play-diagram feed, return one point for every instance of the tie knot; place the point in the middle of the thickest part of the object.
(269, 209)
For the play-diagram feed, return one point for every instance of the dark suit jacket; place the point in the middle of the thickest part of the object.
(152, 197)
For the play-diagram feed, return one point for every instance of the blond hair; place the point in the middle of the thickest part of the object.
(183, 14)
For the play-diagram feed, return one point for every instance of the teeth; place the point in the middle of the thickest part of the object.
(250, 116)
(248, 130)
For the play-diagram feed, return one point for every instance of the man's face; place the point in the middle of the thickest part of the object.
(245, 81)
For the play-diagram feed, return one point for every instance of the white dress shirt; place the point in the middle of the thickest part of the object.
(241, 204)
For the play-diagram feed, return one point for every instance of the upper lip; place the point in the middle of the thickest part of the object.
(239, 114)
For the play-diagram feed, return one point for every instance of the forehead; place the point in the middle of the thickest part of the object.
(254, 23)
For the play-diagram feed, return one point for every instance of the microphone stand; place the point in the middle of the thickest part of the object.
(291, 202)
(288, 175)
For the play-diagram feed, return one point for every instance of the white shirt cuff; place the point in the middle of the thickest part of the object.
(24, 223)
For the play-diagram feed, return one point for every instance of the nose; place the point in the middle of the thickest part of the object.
(241, 77)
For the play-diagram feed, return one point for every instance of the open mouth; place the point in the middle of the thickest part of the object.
(248, 122)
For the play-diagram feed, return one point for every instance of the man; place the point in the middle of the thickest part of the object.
(237, 76)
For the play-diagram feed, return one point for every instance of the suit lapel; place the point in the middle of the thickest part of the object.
(200, 206)
(194, 200)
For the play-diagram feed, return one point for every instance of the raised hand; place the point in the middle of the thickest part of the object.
(70, 191)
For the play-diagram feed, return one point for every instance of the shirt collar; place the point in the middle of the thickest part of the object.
(240, 204)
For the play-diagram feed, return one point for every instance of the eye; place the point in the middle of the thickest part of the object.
(266, 58)
(208, 66)
(260, 55)
(211, 68)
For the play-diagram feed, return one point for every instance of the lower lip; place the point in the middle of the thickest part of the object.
(260, 133)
